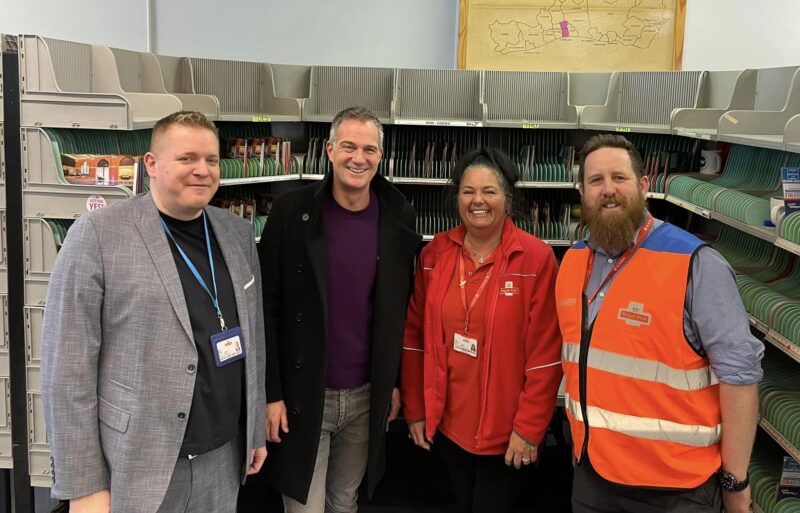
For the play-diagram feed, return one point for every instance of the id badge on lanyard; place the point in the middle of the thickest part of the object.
(462, 342)
(227, 345)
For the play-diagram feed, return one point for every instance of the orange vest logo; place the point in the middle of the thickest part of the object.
(634, 315)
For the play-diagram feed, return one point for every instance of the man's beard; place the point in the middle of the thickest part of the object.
(614, 231)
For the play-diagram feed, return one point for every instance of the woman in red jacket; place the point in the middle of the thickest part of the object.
(481, 354)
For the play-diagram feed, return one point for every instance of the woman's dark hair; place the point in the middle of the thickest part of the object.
(503, 167)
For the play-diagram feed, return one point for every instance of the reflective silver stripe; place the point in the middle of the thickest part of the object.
(639, 368)
(647, 428)
(413, 349)
(521, 275)
(544, 366)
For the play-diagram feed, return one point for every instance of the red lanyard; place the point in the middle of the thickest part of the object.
(462, 282)
(648, 225)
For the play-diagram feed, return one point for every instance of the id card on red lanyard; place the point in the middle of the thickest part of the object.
(463, 342)
(648, 225)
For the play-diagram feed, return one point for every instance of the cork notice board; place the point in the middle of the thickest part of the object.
(571, 35)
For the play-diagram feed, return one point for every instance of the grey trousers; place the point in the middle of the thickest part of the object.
(205, 483)
(342, 454)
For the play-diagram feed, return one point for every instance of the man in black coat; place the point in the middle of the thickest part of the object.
(337, 259)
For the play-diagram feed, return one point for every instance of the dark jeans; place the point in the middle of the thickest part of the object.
(482, 484)
(593, 494)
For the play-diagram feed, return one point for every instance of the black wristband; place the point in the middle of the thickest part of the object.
(729, 483)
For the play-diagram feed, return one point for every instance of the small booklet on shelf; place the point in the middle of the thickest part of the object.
(789, 485)
(791, 189)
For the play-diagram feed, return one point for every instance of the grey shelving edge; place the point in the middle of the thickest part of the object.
(3, 242)
(643, 101)
(2, 164)
(141, 72)
(33, 350)
(720, 92)
(291, 80)
(40, 254)
(245, 90)
(439, 97)
(38, 450)
(530, 99)
(791, 134)
(588, 89)
(765, 126)
(334, 88)
(45, 192)
(6, 460)
(2, 38)
(68, 84)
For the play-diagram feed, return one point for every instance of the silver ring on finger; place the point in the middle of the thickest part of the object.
(526, 460)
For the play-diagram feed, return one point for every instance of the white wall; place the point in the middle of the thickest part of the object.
(720, 34)
(379, 33)
(118, 23)
(738, 34)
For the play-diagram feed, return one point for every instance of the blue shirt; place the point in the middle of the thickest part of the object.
(714, 319)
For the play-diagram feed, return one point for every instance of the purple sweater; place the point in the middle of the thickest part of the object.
(351, 240)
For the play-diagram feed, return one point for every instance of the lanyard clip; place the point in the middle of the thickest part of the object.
(222, 326)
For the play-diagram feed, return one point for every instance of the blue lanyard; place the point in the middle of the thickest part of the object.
(215, 297)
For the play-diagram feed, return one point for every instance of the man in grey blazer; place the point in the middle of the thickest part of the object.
(153, 342)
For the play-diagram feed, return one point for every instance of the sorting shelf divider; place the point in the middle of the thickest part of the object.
(720, 92)
(765, 126)
(643, 101)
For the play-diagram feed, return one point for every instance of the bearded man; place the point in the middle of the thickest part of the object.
(660, 366)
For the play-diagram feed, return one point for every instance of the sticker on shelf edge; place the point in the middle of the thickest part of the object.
(94, 202)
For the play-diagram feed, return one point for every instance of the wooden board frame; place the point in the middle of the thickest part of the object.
(677, 47)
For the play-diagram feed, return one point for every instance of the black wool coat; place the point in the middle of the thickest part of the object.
(293, 266)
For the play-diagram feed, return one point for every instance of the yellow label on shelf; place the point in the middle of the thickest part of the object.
(730, 118)
(623, 129)
(530, 125)
(262, 119)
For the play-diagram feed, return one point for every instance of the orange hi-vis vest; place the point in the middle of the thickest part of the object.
(641, 402)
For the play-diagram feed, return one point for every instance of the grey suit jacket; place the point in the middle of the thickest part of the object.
(116, 348)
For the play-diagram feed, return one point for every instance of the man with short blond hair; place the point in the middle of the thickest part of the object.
(153, 343)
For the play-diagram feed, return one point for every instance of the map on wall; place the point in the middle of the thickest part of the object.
(568, 35)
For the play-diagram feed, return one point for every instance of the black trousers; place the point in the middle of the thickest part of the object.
(482, 484)
(593, 494)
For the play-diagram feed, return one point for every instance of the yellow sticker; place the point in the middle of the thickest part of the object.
(530, 125)
(261, 119)
(623, 129)
(730, 118)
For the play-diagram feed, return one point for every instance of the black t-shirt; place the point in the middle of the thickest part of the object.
(216, 410)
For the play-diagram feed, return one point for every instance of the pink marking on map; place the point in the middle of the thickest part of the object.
(564, 28)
